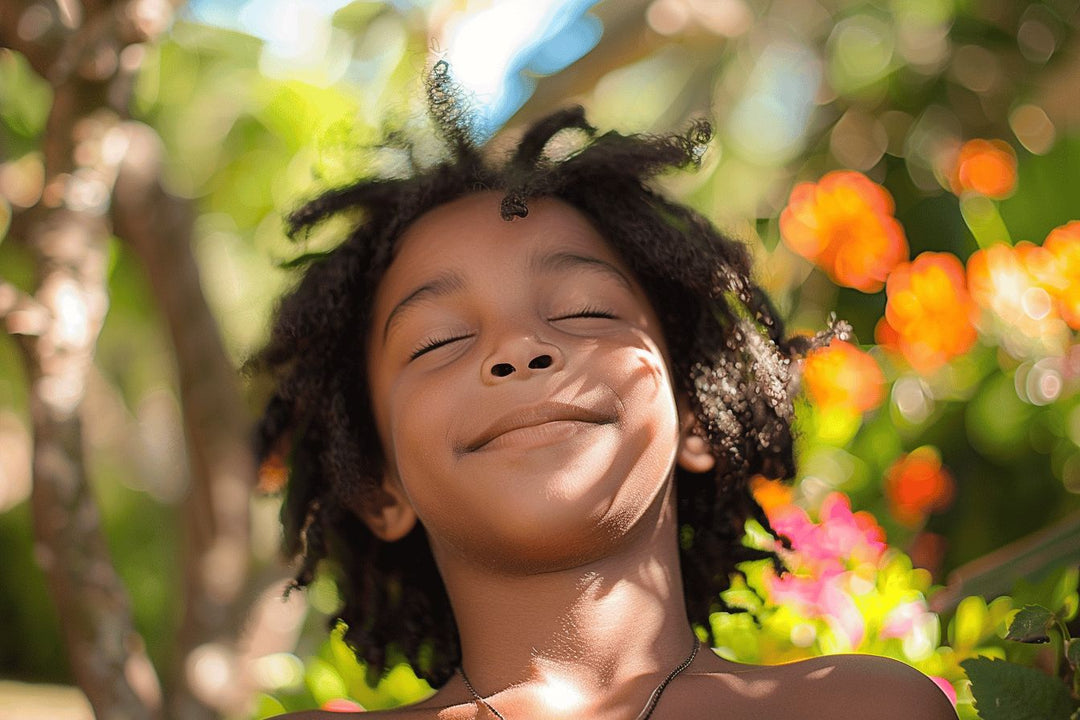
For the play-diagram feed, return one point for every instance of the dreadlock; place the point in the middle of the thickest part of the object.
(728, 350)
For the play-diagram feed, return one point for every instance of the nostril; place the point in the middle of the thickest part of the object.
(540, 362)
(502, 369)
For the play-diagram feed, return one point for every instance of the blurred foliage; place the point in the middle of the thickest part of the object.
(940, 135)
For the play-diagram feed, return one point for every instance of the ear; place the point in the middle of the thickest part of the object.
(694, 454)
(388, 513)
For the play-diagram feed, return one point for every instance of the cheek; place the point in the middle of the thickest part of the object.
(644, 387)
(642, 372)
(419, 416)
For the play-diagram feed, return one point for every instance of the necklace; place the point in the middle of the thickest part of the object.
(647, 711)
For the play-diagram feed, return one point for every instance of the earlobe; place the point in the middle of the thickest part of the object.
(389, 514)
(694, 454)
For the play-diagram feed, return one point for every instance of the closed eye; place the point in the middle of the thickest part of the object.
(587, 312)
(434, 343)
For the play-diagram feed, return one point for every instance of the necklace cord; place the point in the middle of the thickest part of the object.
(645, 713)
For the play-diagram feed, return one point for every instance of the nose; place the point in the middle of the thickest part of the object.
(519, 358)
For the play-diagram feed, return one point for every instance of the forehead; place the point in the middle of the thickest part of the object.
(469, 233)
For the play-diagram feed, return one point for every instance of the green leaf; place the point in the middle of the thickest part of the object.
(1072, 653)
(1006, 691)
(1031, 625)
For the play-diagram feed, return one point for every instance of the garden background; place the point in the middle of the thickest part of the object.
(909, 166)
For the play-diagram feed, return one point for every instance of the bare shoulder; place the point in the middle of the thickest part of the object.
(839, 687)
(879, 688)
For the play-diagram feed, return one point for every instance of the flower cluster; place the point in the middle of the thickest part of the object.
(844, 223)
(820, 583)
(1030, 293)
(841, 377)
(845, 591)
(929, 316)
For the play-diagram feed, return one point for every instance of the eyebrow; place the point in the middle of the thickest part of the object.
(566, 260)
(446, 283)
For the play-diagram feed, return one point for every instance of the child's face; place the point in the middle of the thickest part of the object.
(519, 384)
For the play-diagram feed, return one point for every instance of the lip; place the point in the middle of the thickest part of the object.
(535, 416)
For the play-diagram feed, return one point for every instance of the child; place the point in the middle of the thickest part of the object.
(522, 403)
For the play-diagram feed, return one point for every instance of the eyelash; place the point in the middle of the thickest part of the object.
(433, 343)
(588, 312)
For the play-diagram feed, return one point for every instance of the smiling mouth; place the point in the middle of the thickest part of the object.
(539, 423)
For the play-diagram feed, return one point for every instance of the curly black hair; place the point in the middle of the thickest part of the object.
(727, 347)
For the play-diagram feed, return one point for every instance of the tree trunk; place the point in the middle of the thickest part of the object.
(158, 227)
(101, 168)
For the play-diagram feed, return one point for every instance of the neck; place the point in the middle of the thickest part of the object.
(600, 633)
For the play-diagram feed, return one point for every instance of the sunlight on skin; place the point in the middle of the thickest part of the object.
(821, 674)
(560, 694)
(750, 688)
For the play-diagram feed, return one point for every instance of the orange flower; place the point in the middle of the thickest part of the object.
(986, 167)
(929, 316)
(1012, 283)
(917, 485)
(844, 224)
(1033, 289)
(842, 376)
(1063, 247)
(770, 494)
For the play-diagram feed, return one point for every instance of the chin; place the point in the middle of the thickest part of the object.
(565, 532)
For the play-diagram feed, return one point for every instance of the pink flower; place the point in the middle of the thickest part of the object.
(822, 597)
(840, 537)
(853, 535)
(822, 560)
(903, 618)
